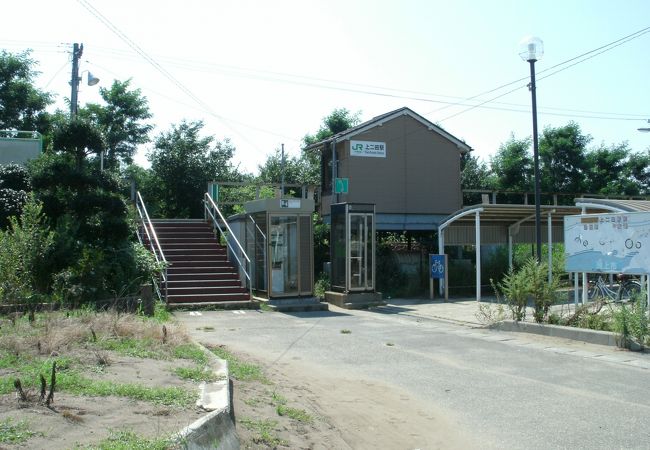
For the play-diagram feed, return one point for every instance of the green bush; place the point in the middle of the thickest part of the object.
(514, 290)
(24, 273)
(631, 321)
(530, 283)
(14, 188)
(321, 286)
(103, 273)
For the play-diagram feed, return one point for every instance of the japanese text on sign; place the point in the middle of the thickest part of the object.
(368, 149)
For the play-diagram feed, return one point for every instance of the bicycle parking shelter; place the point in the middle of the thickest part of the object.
(490, 223)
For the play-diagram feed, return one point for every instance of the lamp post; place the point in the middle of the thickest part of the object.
(533, 50)
(644, 129)
(77, 51)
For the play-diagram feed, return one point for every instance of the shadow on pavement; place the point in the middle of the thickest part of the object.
(316, 314)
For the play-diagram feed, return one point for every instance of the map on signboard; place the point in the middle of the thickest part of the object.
(608, 243)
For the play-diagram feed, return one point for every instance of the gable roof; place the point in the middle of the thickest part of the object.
(380, 120)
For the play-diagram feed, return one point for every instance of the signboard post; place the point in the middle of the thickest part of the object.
(438, 271)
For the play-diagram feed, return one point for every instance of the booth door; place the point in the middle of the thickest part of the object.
(360, 252)
(283, 246)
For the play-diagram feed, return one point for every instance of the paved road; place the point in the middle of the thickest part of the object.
(508, 390)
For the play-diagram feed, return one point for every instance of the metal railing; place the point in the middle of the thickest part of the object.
(148, 230)
(210, 208)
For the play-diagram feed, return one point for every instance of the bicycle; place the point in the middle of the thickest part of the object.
(624, 291)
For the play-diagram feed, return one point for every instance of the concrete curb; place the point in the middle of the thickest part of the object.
(215, 430)
(576, 334)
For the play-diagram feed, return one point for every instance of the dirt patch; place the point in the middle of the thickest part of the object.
(77, 417)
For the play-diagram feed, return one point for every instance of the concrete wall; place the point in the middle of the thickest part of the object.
(19, 151)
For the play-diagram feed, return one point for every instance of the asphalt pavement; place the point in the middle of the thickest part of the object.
(509, 390)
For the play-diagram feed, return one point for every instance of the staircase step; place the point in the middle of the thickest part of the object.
(189, 240)
(192, 252)
(182, 235)
(199, 275)
(187, 260)
(218, 290)
(224, 304)
(202, 298)
(205, 264)
(204, 245)
(206, 282)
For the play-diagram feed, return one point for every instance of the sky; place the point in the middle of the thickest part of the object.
(263, 74)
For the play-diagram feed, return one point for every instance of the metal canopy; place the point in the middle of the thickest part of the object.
(506, 214)
(610, 205)
(502, 223)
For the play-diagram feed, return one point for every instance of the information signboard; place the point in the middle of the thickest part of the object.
(438, 271)
(608, 243)
(341, 185)
(437, 265)
(368, 148)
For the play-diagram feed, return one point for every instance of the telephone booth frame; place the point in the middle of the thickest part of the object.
(353, 247)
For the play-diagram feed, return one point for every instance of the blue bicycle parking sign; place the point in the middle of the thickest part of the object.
(437, 264)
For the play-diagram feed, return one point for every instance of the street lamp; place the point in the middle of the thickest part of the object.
(77, 51)
(644, 129)
(532, 49)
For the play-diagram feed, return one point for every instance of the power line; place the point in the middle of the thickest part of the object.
(197, 107)
(314, 82)
(600, 50)
(159, 68)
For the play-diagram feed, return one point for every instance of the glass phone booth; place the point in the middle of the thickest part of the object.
(278, 237)
(353, 247)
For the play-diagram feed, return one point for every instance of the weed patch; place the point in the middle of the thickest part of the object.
(240, 370)
(14, 432)
(128, 440)
(191, 352)
(294, 413)
(265, 430)
(199, 373)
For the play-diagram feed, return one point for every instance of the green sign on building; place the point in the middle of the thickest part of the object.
(341, 186)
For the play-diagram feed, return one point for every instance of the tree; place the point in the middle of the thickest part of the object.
(337, 121)
(14, 188)
(182, 163)
(79, 138)
(604, 169)
(513, 166)
(122, 121)
(22, 105)
(94, 255)
(297, 170)
(562, 158)
(637, 172)
(475, 174)
(81, 199)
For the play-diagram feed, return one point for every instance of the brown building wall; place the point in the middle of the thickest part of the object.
(419, 175)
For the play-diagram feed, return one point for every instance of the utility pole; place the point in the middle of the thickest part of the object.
(77, 51)
(282, 170)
